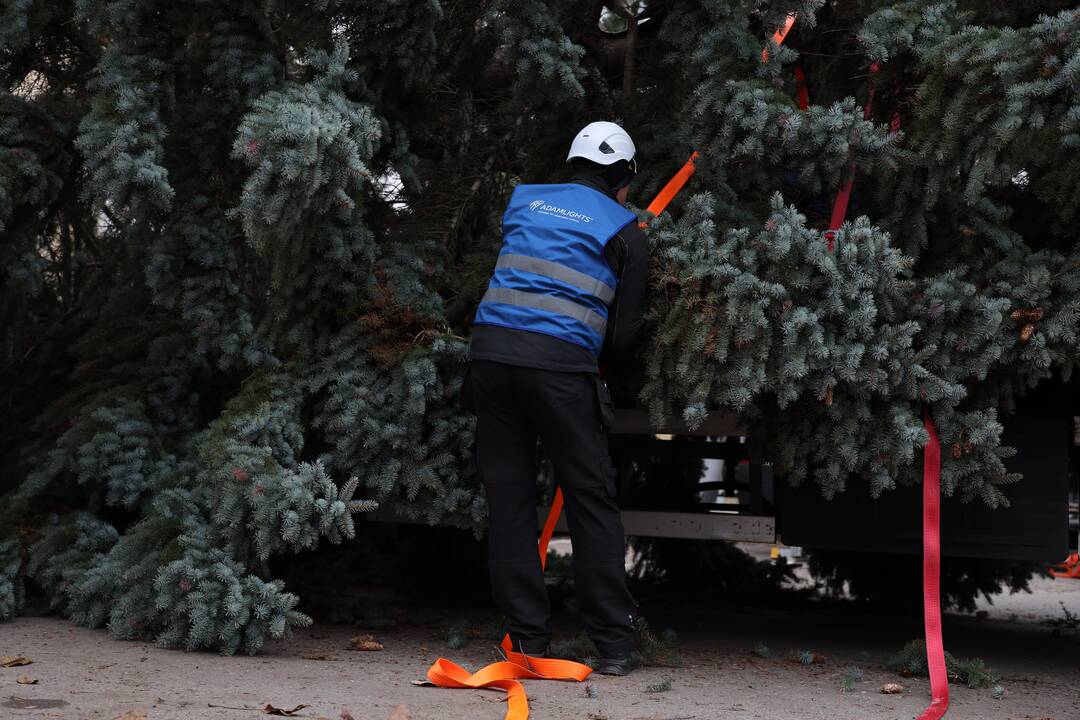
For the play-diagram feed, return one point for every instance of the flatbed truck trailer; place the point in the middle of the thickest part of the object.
(717, 484)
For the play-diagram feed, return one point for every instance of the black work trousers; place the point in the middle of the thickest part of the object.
(514, 405)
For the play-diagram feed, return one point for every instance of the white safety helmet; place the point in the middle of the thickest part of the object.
(603, 143)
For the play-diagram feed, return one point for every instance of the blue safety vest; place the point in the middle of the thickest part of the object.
(551, 276)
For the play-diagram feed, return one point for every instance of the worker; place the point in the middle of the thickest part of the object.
(567, 291)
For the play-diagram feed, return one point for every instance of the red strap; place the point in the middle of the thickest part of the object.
(802, 94)
(868, 108)
(840, 205)
(935, 649)
(839, 209)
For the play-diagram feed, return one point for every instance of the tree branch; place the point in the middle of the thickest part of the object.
(628, 61)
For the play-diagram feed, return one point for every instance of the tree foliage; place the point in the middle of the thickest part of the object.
(240, 246)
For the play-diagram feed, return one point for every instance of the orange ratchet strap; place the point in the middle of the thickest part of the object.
(669, 191)
(1068, 569)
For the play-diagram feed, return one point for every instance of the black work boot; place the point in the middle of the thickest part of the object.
(617, 665)
(623, 663)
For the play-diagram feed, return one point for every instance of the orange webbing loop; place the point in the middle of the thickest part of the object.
(504, 675)
(802, 93)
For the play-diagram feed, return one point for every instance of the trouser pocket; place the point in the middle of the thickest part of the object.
(605, 403)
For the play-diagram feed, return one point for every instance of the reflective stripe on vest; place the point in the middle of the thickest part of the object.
(539, 301)
(551, 276)
(580, 280)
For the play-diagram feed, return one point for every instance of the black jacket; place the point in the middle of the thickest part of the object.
(627, 255)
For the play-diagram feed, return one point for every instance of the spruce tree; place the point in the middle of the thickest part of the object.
(240, 246)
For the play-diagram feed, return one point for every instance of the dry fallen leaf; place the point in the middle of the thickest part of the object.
(320, 656)
(892, 689)
(400, 712)
(26, 680)
(133, 715)
(281, 712)
(365, 642)
(14, 660)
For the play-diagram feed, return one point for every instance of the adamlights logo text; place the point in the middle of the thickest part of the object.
(555, 211)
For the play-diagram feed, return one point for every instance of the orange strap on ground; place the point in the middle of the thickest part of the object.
(1068, 569)
(504, 675)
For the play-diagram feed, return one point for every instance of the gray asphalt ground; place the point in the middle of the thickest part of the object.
(84, 674)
